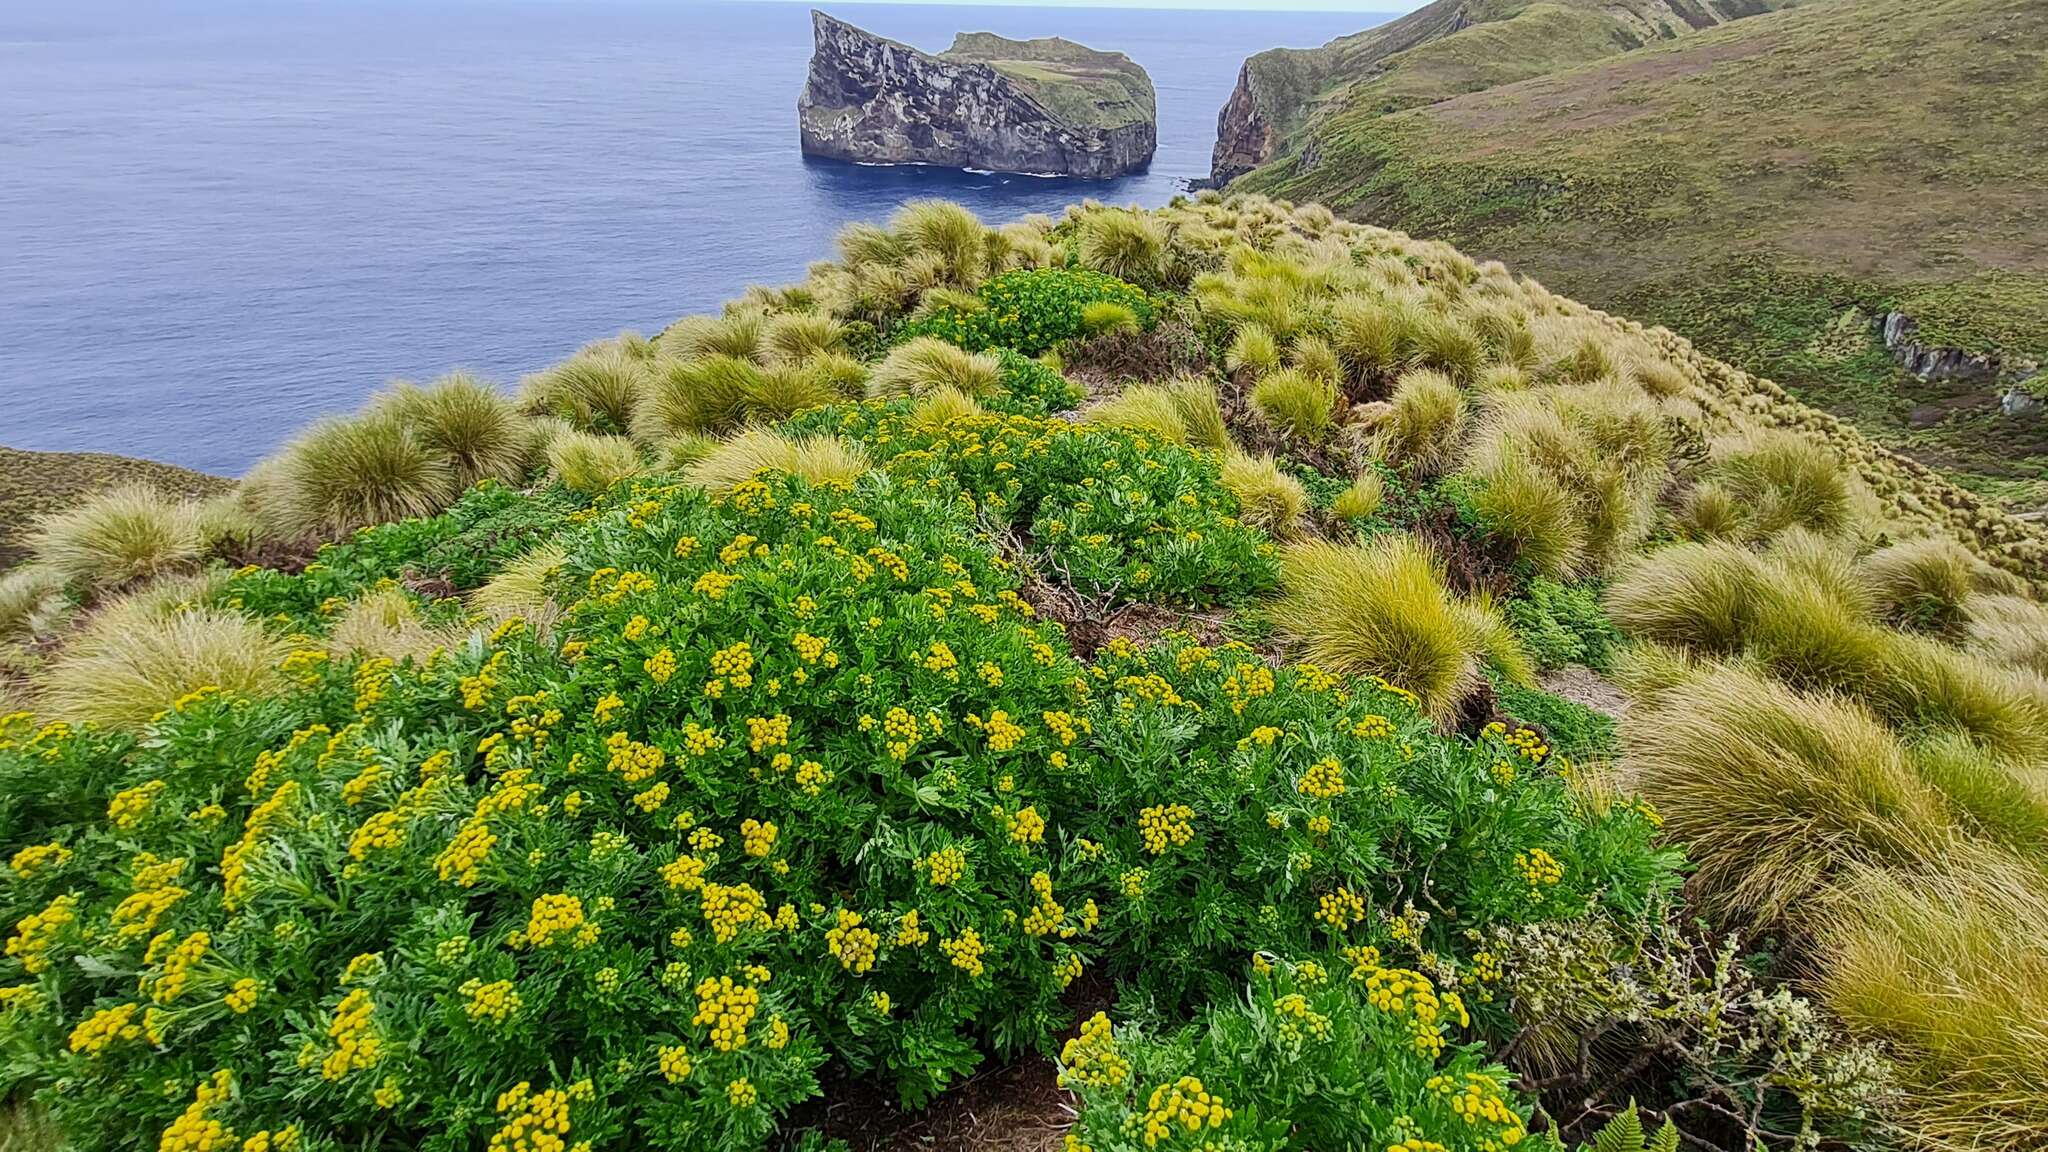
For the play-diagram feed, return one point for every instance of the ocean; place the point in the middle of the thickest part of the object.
(221, 220)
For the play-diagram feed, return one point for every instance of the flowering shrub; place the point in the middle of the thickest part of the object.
(1246, 809)
(1116, 511)
(1032, 389)
(1030, 311)
(1315, 1056)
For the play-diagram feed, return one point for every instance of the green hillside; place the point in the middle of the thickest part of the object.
(1214, 679)
(1769, 188)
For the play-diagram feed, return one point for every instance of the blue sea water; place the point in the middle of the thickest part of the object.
(221, 219)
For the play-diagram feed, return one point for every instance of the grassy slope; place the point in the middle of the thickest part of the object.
(1746, 186)
(1105, 89)
(33, 483)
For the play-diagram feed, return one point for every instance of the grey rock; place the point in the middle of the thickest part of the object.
(1048, 107)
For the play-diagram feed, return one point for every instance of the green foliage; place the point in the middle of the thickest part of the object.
(1301, 1060)
(1115, 510)
(1560, 624)
(1573, 730)
(1032, 388)
(1031, 310)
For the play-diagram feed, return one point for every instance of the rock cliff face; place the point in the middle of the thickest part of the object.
(1039, 106)
(1438, 51)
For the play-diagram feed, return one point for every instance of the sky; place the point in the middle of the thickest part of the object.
(1395, 6)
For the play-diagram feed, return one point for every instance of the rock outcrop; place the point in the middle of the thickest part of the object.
(1046, 107)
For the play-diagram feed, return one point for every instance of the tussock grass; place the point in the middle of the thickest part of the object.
(1101, 317)
(1423, 431)
(1296, 404)
(1267, 498)
(1501, 378)
(862, 243)
(948, 235)
(590, 463)
(796, 337)
(382, 622)
(1995, 799)
(2011, 631)
(1362, 499)
(1254, 349)
(134, 660)
(1127, 245)
(1924, 584)
(475, 425)
(1201, 414)
(925, 364)
(1701, 597)
(1145, 408)
(1449, 346)
(942, 408)
(1533, 514)
(1313, 356)
(114, 538)
(524, 587)
(1783, 480)
(1774, 792)
(1372, 337)
(818, 459)
(1949, 970)
(1710, 512)
(700, 395)
(344, 474)
(595, 392)
(28, 594)
(1382, 609)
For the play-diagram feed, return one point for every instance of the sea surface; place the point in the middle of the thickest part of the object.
(222, 220)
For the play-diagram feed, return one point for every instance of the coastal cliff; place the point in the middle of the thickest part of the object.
(1045, 106)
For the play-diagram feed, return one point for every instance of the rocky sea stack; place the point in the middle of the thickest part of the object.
(1039, 106)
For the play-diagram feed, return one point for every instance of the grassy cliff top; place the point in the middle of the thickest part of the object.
(1078, 83)
(1754, 186)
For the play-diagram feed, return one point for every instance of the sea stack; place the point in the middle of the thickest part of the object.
(1045, 107)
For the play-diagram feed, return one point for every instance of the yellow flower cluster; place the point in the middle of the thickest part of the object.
(1341, 909)
(945, 866)
(178, 966)
(1374, 727)
(730, 908)
(1417, 1144)
(741, 1094)
(1092, 1058)
(765, 732)
(726, 1008)
(630, 760)
(193, 1131)
(660, 666)
(497, 1001)
(853, 945)
(1003, 733)
(758, 836)
(1166, 824)
(965, 951)
(538, 1122)
(39, 858)
(554, 915)
(242, 997)
(1324, 779)
(1403, 992)
(1247, 682)
(356, 1043)
(1183, 1105)
(130, 805)
(1478, 1100)
(812, 777)
(1299, 1022)
(1539, 868)
(100, 1031)
(36, 932)
(676, 1064)
(1046, 912)
(1026, 826)
(910, 931)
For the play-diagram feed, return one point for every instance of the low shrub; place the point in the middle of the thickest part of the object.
(1560, 624)
(1030, 311)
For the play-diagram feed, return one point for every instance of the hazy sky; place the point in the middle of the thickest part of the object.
(1238, 5)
